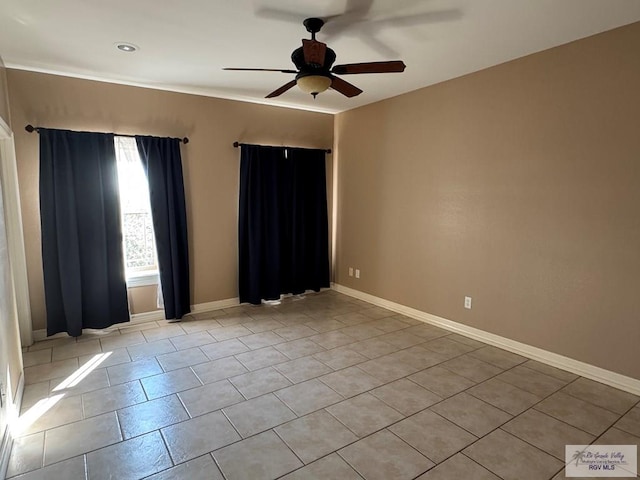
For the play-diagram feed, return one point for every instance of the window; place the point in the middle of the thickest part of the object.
(137, 227)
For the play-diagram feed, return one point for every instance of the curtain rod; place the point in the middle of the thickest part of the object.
(238, 144)
(30, 128)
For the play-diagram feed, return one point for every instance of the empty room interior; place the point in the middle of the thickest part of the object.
(355, 239)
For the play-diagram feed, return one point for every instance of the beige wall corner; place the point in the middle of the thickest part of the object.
(210, 161)
(517, 186)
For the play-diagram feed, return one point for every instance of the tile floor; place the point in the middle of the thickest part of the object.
(321, 387)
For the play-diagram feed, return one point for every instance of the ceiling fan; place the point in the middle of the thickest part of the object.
(315, 73)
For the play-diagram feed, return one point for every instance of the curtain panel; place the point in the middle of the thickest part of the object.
(283, 222)
(84, 276)
(163, 165)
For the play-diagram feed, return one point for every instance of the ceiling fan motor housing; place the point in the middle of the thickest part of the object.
(297, 57)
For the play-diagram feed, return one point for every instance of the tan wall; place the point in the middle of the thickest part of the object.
(518, 186)
(210, 162)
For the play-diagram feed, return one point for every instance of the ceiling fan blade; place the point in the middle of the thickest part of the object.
(314, 52)
(345, 88)
(282, 89)
(369, 67)
(261, 70)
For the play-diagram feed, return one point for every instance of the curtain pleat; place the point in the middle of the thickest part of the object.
(82, 256)
(283, 222)
(163, 165)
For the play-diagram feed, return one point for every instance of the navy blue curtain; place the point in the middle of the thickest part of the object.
(283, 222)
(163, 165)
(83, 266)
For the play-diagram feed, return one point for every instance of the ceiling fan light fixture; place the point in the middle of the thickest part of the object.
(313, 84)
(126, 47)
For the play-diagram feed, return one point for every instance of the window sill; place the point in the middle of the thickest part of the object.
(142, 279)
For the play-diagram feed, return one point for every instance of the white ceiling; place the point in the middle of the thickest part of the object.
(185, 44)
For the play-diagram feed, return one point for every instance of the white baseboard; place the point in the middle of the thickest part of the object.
(583, 369)
(153, 316)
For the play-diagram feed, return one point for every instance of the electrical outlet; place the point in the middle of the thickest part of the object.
(467, 302)
(351, 271)
(357, 273)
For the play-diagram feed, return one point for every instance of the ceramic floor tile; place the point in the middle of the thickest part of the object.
(201, 468)
(231, 331)
(458, 467)
(377, 313)
(350, 381)
(418, 357)
(50, 412)
(466, 340)
(432, 435)
(615, 436)
(504, 396)
(498, 357)
(563, 375)
(200, 435)
(405, 396)
(308, 397)
(26, 454)
(441, 381)
(472, 414)
(546, 433)
(259, 414)
(151, 349)
(33, 393)
(122, 340)
(223, 349)
(76, 438)
(352, 318)
(127, 372)
(195, 326)
(74, 468)
(446, 347)
(263, 357)
(210, 397)
(630, 423)
(511, 458)
(332, 339)
(601, 395)
(261, 340)
(315, 435)
(364, 414)
(78, 383)
(339, 358)
(324, 325)
(389, 325)
(471, 368)
(192, 340)
(387, 368)
(263, 325)
(168, 383)
(110, 358)
(77, 349)
(302, 369)
(181, 359)
(134, 458)
(532, 381)
(152, 415)
(264, 456)
(165, 331)
(573, 411)
(383, 456)
(373, 348)
(402, 339)
(113, 398)
(259, 382)
(331, 467)
(37, 357)
(362, 331)
(299, 348)
(49, 371)
(295, 332)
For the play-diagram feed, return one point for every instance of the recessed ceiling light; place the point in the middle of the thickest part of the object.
(126, 47)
